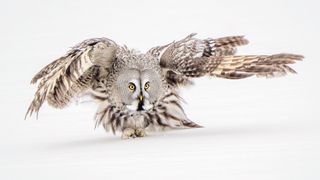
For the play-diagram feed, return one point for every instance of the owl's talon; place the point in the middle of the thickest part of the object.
(140, 132)
(128, 133)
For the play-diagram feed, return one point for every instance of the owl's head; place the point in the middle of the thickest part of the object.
(138, 89)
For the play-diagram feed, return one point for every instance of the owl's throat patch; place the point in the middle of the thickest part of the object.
(140, 105)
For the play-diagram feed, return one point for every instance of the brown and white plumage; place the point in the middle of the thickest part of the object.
(140, 91)
(71, 74)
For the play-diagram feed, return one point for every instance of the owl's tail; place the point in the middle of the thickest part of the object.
(238, 67)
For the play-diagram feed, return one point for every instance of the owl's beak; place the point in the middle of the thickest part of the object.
(140, 97)
(141, 103)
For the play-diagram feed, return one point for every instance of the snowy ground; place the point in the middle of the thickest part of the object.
(254, 128)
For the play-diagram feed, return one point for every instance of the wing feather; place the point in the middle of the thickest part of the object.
(188, 55)
(69, 75)
(191, 57)
(238, 67)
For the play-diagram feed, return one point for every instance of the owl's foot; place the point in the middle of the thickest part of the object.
(128, 133)
(133, 133)
(140, 132)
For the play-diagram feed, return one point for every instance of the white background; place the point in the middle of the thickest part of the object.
(254, 128)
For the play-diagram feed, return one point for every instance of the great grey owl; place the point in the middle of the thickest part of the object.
(139, 91)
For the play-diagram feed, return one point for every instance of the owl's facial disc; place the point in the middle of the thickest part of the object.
(141, 101)
(138, 89)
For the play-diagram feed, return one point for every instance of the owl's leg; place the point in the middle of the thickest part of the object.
(140, 132)
(128, 133)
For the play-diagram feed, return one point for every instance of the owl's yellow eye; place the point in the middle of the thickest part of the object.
(146, 86)
(131, 87)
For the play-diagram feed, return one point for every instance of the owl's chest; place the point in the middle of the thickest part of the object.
(135, 121)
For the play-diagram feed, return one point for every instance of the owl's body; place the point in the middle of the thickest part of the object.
(118, 111)
(138, 91)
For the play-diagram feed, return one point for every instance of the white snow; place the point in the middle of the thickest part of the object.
(253, 128)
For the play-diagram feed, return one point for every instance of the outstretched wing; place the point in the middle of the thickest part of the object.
(191, 47)
(184, 53)
(191, 57)
(72, 73)
(236, 67)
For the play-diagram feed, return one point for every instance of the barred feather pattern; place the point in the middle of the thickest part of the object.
(175, 80)
(190, 48)
(167, 112)
(192, 57)
(238, 67)
(223, 46)
(188, 57)
(71, 74)
(96, 65)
